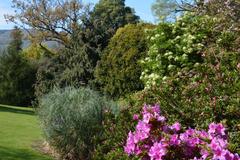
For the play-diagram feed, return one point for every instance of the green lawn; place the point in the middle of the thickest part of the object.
(19, 130)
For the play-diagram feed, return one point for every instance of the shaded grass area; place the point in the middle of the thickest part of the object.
(11, 109)
(19, 130)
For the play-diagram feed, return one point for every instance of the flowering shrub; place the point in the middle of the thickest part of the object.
(154, 139)
(175, 46)
(195, 85)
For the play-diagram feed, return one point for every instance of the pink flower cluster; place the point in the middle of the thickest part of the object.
(153, 139)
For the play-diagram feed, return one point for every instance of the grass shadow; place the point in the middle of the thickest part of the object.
(16, 110)
(19, 154)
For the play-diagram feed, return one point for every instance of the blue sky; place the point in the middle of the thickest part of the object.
(142, 8)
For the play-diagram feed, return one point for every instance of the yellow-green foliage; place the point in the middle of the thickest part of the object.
(118, 71)
(35, 52)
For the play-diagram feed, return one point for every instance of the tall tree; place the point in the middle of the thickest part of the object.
(75, 66)
(17, 75)
(108, 16)
(53, 20)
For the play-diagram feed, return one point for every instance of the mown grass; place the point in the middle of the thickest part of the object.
(19, 130)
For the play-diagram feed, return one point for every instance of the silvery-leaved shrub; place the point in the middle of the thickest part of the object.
(72, 121)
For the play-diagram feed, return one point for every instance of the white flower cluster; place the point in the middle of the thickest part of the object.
(150, 80)
(170, 53)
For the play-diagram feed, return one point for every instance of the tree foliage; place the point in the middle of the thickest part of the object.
(74, 66)
(118, 72)
(227, 12)
(35, 52)
(71, 67)
(59, 20)
(108, 16)
(169, 10)
(17, 75)
(50, 20)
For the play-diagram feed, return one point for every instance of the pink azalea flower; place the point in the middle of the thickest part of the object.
(174, 140)
(155, 140)
(135, 117)
(157, 151)
(176, 126)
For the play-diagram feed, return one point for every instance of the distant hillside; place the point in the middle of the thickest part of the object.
(5, 39)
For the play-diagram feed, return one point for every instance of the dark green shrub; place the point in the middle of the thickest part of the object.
(118, 71)
(71, 67)
(17, 77)
(46, 77)
(72, 121)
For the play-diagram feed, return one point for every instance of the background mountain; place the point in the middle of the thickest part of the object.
(5, 39)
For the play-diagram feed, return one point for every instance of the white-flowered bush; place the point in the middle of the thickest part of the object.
(175, 46)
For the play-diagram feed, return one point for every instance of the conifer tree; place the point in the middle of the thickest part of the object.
(17, 75)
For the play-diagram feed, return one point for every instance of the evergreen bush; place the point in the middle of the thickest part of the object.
(117, 73)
